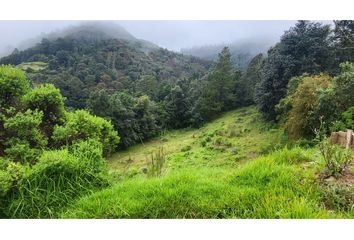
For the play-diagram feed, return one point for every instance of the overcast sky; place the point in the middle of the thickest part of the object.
(173, 35)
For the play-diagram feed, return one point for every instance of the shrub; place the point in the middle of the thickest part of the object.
(48, 99)
(336, 197)
(335, 157)
(24, 138)
(13, 85)
(5, 182)
(81, 125)
(58, 178)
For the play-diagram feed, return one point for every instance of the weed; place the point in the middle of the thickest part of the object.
(335, 157)
(156, 163)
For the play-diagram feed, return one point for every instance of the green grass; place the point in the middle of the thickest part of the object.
(274, 186)
(221, 170)
(35, 66)
(230, 140)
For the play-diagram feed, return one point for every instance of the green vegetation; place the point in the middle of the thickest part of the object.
(41, 173)
(233, 138)
(275, 186)
(181, 136)
(32, 66)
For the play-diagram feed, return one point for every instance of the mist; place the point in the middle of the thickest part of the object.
(173, 35)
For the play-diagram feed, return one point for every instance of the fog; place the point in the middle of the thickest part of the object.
(172, 35)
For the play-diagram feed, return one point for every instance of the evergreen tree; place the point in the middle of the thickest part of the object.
(305, 48)
(177, 108)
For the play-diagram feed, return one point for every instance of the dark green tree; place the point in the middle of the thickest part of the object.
(305, 48)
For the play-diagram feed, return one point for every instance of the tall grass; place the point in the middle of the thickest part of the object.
(269, 187)
(57, 179)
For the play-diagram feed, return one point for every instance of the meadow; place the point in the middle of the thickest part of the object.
(234, 167)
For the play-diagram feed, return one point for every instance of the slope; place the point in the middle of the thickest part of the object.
(101, 56)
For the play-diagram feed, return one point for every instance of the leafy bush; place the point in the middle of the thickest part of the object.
(48, 99)
(336, 197)
(81, 125)
(13, 85)
(24, 138)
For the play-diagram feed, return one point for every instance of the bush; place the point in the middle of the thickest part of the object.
(58, 178)
(48, 99)
(335, 157)
(336, 197)
(13, 85)
(24, 139)
(81, 125)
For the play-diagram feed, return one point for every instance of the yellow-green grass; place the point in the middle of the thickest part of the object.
(274, 186)
(35, 66)
(229, 140)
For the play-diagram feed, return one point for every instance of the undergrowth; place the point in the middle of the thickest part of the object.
(274, 186)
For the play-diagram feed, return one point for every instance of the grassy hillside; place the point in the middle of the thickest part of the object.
(281, 185)
(219, 171)
(228, 141)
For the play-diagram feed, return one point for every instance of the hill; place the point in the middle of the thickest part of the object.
(101, 55)
(233, 167)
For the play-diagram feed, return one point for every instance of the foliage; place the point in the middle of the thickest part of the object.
(344, 40)
(250, 78)
(13, 84)
(80, 125)
(47, 99)
(305, 48)
(87, 59)
(25, 140)
(343, 86)
(346, 121)
(338, 198)
(136, 119)
(59, 177)
(335, 157)
(301, 119)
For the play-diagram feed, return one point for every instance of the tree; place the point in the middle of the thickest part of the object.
(221, 81)
(250, 78)
(305, 48)
(300, 120)
(147, 85)
(177, 108)
(343, 85)
(344, 40)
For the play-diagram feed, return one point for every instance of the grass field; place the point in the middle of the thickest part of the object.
(234, 167)
(35, 66)
(230, 140)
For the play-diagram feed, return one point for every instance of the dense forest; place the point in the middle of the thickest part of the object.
(80, 95)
